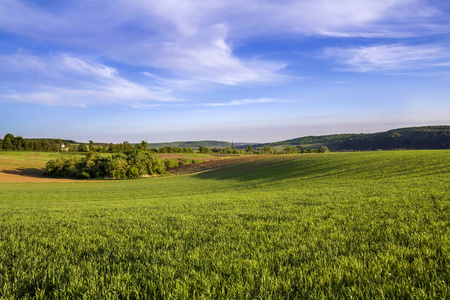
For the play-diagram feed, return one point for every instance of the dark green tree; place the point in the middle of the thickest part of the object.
(44, 145)
(58, 144)
(323, 149)
(290, 150)
(126, 146)
(266, 149)
(164, 149)
(227, 150)
(18, 143)
(144, 146)
(8, 142)
(82, 147)
(202, 149)
(91, 146)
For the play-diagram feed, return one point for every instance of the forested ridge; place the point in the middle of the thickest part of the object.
(427, 137)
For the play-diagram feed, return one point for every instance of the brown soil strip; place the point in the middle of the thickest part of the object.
(28, 175)
(178, 155)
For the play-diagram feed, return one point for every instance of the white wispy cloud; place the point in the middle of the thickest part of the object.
(44, 98)
(22, 62)
(195, 38)
(191, 17)
(210, 58)
(173, 35)
(193, 43)
(79, 82)
(83, 82)
(387, 58)
(245, 102)
(347, 18)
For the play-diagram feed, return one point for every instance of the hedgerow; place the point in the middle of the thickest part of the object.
(131, 164)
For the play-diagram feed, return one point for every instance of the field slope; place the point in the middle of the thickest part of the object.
(339, 225)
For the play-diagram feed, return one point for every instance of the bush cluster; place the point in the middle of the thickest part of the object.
(131, 164)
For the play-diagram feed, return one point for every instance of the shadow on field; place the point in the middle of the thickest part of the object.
(277, 168)
(27, 172)
(297, 168)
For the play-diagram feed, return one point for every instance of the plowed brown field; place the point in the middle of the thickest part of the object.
(202, 157)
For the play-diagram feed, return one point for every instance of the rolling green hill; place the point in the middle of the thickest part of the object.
(365, 225)
(428, 137)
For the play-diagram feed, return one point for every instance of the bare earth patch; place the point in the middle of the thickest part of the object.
(28, 175)
(203, 158)
(178, 155)
(16, 170)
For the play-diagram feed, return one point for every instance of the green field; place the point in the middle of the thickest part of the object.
(14, 159)
(367, 225)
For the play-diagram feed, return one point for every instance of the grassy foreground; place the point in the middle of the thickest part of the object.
(339, 225)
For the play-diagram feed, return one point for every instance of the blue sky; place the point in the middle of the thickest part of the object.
(248, 70)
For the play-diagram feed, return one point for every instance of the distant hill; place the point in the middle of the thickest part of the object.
(427, 137)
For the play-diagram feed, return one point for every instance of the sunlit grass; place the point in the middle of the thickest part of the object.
(20, 159)
(339, 225)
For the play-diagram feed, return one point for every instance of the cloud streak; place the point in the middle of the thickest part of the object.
(245, 102)
(388, 58)
(79, 82)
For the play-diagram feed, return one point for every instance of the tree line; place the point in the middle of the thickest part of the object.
(11, 143)
(17, 143)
